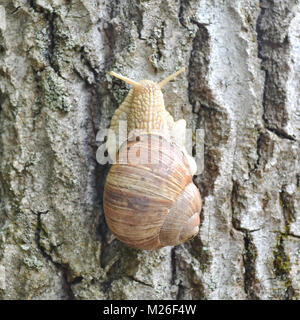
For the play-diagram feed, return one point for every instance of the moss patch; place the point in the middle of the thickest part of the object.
(282, 266)
(281, 263)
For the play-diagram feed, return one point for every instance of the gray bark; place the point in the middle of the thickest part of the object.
(241, 86)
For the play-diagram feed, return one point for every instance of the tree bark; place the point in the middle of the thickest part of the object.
(241, 87)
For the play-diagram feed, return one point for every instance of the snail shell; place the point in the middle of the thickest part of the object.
(150, 203)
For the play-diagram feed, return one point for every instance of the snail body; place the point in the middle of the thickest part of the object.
(150, 200)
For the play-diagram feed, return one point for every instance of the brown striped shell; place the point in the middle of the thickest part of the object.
(150, 200)
(151, 204)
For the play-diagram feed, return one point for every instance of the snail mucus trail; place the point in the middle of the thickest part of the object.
(150, 204)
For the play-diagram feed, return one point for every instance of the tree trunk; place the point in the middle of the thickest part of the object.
(241, 86)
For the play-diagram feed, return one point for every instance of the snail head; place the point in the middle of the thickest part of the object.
(147, 107)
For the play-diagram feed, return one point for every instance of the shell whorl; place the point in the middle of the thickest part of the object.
(153, 204)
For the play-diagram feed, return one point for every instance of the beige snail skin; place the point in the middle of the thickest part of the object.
(152, 202)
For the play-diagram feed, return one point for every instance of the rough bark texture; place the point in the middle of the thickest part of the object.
(241, 86)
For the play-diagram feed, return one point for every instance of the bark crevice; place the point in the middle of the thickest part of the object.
(63, 269)
(273, 47)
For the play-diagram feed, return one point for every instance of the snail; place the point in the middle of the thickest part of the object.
(150, 200)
